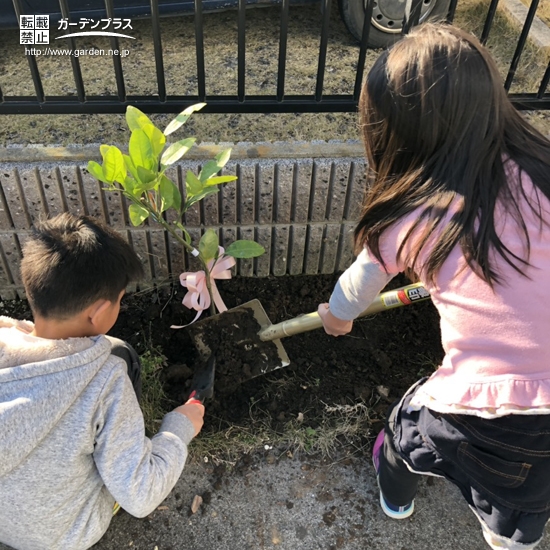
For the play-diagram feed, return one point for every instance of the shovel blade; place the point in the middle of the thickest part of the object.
(202, 385)
(233, 337)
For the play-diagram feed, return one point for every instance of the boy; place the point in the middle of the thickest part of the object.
(73, 438)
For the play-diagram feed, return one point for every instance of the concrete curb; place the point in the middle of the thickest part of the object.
(539, 34)
(244, 150)
(298, 200)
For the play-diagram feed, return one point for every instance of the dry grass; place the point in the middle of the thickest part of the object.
(220, 48)
(502, 42)
(340, 426)
(503, 38)
(543, 10)
(339, 429)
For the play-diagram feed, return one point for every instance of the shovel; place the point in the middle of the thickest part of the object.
(202, 385)
(245, 335)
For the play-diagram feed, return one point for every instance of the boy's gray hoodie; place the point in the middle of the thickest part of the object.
(72, 441)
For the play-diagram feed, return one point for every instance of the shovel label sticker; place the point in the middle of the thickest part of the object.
(418, 293)
(405, 296)
(392, 299)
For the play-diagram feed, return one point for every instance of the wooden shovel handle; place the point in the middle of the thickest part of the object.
(391, 299)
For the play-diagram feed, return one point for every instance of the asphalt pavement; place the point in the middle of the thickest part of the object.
(294, 504)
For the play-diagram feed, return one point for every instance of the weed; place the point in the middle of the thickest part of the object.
(341, 426)
(425, 365)
(153, 397)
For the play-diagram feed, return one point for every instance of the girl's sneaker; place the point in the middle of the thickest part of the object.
(395, 512)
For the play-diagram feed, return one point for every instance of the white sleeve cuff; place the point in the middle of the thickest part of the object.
(357, 287)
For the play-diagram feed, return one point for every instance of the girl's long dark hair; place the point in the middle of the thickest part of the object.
(438, 128)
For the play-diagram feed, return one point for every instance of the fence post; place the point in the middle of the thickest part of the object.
(412, 15)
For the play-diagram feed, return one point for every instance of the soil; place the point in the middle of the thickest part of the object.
(233, 339)
(375, 364)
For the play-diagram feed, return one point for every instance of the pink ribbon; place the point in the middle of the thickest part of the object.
(197, 296)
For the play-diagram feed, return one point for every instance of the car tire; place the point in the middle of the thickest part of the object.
(387, 18)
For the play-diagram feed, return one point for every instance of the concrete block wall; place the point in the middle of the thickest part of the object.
(299, 200)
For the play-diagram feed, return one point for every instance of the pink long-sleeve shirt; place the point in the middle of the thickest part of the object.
(496, 341)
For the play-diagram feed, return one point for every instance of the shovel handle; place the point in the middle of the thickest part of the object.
(391, 299)
(193, 400)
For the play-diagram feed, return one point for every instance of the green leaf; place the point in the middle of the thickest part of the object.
(130, 166)
(146, 176)
(170, 194)
(141, 151)
(103, 150)
(200, 196)
(193, 185)
(135, 119)
(130, 187)
(138, 214)
(181, 119)
(208, 245)
(113, 165)
(223, 157)
(208, 170)
(218, 180)
(157, 139)
(96, 171)
(176, 151)
(135, 188)
(244, 249)
(167, 189)
(214, 166)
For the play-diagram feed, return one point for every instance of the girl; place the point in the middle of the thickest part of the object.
(460, 196)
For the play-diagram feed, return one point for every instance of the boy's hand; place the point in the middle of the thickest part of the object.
(195, 412)
(331, 324)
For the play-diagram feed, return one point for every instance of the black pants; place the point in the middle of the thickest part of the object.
(122, 349)
(500, 465)
(397, 482)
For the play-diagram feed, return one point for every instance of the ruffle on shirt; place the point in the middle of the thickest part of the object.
(490, 399)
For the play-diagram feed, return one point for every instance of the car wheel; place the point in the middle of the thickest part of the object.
(387, 18)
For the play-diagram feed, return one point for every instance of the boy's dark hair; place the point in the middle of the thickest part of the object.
(438, 129)
(72, 261)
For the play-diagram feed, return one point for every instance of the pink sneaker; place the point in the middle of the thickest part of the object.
(395, 512)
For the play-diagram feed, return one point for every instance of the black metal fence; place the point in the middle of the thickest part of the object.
(242, 102)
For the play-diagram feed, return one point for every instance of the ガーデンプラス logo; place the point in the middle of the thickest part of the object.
(35, 29)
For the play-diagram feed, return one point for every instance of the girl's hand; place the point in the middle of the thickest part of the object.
(195, 412)
(331, 324)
